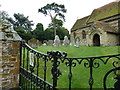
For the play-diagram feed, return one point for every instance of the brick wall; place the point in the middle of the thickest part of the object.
(9, 60)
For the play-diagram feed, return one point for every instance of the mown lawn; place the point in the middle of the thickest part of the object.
(80, 74)
(82, 51)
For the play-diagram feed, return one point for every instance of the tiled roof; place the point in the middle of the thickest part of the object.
(104, 11)
(97, 14)
(79, 23)
(105, 26)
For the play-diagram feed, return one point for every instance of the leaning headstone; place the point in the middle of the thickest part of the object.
(34, 43)
(50, 42)
(66, 41)
(70, 44)
(77, 43)
(57, 42)
(45, 41)
(44, 44)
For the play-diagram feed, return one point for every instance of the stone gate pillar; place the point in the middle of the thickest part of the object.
(9, 57)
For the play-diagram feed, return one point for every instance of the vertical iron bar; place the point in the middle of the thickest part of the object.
(27, 58)
(23, 63)
(31, 80)
(91, 74)
(54, 70)
(45, 67)
(37, 68)
(31, 75)
(70, 73)
(20, 64)
(23, 57)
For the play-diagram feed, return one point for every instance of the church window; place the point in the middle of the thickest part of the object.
(83, 34)
(74, 34)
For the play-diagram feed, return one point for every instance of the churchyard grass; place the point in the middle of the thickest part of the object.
(80, 74)
(82, 51)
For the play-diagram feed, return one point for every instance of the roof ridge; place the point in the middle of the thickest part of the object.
(105, 11)
(106, 5)
(117, 1)
(90, 16)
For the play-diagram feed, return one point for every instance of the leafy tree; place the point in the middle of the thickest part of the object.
(38, 33)
(60, 30)
(53, 10)
(3, 15)
(23, 34)
(58, 23)
(39, 27)
(49, 34)
(21, 21)
(22, 25)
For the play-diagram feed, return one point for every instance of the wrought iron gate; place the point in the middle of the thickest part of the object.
(29, 69)
(36, 67)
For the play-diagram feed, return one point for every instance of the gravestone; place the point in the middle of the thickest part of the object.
(66, 41)
(34, 43)
(44, 44)
(77, 43)
(57, 41)
(50, 42)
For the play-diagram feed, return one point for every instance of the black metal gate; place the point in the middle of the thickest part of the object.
(36, 67)
(30, 69)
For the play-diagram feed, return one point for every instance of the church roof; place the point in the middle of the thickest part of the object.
(105, 26)
(105, 11)
(79, 23)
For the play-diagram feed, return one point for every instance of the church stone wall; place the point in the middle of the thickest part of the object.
(114, 24)
(112, 39)
(83, 42)
(101, 33)
(106, 38)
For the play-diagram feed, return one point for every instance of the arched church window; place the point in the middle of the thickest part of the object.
(83, 34)
(74, 34)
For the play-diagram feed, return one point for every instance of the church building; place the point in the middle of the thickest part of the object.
(100, 28)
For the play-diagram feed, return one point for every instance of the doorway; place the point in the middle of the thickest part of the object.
(96, 40)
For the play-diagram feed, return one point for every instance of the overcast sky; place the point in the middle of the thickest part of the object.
(75, 9)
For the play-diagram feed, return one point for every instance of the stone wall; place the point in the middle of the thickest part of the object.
(112, 39)
(105, 40)
(9, 58)
(9, 64)
(34, 43)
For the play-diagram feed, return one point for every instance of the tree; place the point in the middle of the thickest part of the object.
(49, 34)
(21, 21)
(22, 25)
(53, 10)
(3, 15)
(58, 23)
(60, 30)
(38, 33)
(39, 27)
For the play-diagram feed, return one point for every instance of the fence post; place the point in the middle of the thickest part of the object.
(54, 56)
(9, 57)
(54, 70)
